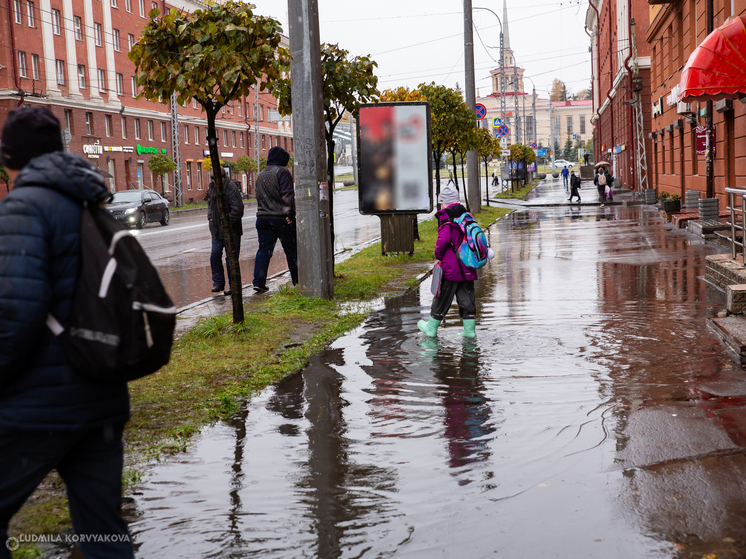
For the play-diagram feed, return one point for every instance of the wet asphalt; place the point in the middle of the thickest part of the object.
(595, 415)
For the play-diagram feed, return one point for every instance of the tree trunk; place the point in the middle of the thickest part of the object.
(330, 175)
(486, 183)
(225, 220)
(455, 171)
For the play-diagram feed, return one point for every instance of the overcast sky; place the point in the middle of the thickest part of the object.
(415, 41)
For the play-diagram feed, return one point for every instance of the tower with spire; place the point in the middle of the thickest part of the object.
(508, 62)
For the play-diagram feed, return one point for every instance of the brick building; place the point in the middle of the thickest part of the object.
(612, 25)
(71, 56)
(676, 30)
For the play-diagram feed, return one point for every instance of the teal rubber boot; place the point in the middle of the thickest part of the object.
(430, 327)
(470, 326)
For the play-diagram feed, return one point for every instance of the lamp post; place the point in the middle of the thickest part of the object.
(502, 65)
(533, 85)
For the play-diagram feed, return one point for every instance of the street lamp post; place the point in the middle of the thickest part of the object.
(502, 65)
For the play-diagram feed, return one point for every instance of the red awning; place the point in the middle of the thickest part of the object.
(717, 67)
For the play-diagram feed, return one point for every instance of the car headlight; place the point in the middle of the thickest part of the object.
(130, 211)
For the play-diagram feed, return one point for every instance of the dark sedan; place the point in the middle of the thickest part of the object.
(137, 208)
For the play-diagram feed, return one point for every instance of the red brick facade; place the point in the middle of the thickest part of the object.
(71, 56)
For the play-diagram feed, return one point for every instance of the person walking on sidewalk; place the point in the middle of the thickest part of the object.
(52, 417)
(275, 217)
(458, 280)
(235, 210)
(600, 181)
(574, 186)
(565, 176)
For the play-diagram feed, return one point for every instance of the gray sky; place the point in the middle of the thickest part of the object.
(415, 41)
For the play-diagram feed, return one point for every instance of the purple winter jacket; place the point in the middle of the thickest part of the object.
(450, 236)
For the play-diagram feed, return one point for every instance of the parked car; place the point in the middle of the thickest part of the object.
(559, 163)
(137, 208)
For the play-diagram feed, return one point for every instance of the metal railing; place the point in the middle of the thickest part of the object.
(734, 226)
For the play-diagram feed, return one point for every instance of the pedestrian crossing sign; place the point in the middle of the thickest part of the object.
(496, 122)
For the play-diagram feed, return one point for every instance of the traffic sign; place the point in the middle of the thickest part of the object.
(481, 111)
(496, 122)
(502, 130)
(534, 145)
(541, 152)
(574, 136)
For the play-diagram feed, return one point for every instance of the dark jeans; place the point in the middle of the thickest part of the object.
(268, 230)
(566, 180)
(465, 297)
(90, 463)
(216, 255)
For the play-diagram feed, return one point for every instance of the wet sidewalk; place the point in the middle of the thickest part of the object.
(593, 416)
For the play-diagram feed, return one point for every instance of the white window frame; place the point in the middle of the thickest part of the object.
(35, 74)
(102, 80)
(17, 8)
(128, 5)
(68, 120)
(115, 39)
(196, 135)
(137, 129)
(120, 84)
(186, 134)
(142, 7)
(150, 130)
(89, 124)
(97, 35)
(78, 26)
(240, 102)
(130, 40)
(114, 4)
(233, 138)
(133, 85)
(124, 127)
(60, 67)
(225, 138)
(163, 131)
(109, 126)
(22, 64)
(81, 76)
(56, 22)
(30, 13)
(240, 138)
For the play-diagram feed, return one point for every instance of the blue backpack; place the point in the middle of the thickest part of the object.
(474, 248)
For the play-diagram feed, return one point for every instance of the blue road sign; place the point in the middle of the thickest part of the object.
(574, 136)
(496, 122)
(534, 145)
(502, 130)
(542, 152)
(481, 111)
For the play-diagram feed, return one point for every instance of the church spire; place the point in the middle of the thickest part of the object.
(506, 29)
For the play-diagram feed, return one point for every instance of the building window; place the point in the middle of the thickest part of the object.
(69, 120)
(199, 175)
(60, 66)
(78, 27)
(120, 84)
(56, 22)
(130, 41)
(196, 135)
(186, 134)
(115, 39)
(240, 137)
(154, 5)
(264, 144)
(22, 63)
(114, 4)
(240, 102)
(133, 85)
(97, 34)
(194, 103)
(163, 131)
(150, 130)
(233, 138)
(35, 66)
(225, 138)
(17, 11)
(142, 8)
(582, 124)
(107, 122)
(89, 124)
(128, 5)
(189, 175)
(31, 17)
(124, 127)
(569, 126)
(81, 76)
(137, 129)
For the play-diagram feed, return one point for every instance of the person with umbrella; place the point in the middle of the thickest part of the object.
(601, 180)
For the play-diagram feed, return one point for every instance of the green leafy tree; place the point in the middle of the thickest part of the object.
(489, 149)
(558, 91)
(589, 149)
(246, 164)
(519, 152)
(462, 140)
(160, 164)
(214, 56)
(347, 83)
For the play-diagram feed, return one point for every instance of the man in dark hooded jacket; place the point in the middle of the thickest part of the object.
(275, 217)
(51, 415)
(235, 211)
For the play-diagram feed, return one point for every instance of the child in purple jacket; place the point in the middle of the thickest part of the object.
(458, 280)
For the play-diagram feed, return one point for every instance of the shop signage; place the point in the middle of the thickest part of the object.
(226, 154)
(142, 149)
(618, 148)
(658, 107)
(701, 134)
(93, 151)
(205, 153)
(123, 149)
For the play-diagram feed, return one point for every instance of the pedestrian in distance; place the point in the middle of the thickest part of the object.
(275, 217)
(52, 416)
(565, 176)
(450, 178)
(574, 186)
(600, 181)
(235, 211)
(457, 280)
(494, 178)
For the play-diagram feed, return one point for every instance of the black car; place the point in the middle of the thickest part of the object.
(137, 208)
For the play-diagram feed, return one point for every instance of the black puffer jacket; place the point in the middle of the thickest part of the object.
(39, 262)
(275, 194)
(235, 210)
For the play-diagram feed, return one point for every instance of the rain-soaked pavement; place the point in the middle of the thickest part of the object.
(593, 416)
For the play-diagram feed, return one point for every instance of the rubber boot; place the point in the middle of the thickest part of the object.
(430, 327)
(470, 326)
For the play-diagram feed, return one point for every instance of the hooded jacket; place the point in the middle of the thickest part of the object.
(235, 209)
(275, 194)
(449, 239)
(39, 262)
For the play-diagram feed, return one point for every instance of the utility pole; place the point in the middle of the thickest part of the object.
(176, 149)
(472, 162)
(551, 131)
(256, 130)
(315, 254)
(518, 138)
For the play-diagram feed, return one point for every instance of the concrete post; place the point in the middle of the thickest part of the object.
(315, 254)
(472, 162)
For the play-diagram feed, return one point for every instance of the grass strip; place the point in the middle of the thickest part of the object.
(218, 365)
(519, 193)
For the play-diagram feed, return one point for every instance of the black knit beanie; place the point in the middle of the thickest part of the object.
(27, 133)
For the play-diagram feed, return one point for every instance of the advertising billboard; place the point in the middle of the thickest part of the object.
(394, 158)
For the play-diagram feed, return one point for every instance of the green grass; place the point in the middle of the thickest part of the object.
(518, 193)
(218, 365)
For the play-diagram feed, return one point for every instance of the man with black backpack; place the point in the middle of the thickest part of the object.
(235, 210)
(52, 416)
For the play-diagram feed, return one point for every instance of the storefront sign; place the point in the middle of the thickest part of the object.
(119, 149)
(205, 153)
(93, 151)
(701, 133)
(224, 153)
(142, 149)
